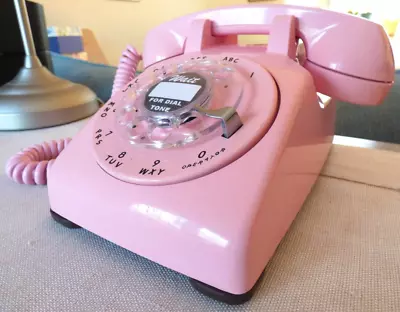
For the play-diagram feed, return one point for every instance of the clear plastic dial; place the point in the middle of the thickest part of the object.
(173, 106)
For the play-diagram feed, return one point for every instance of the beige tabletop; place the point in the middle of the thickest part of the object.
(342, 253)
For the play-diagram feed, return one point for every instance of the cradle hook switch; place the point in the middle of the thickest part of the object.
(285, 43)
(230, 119)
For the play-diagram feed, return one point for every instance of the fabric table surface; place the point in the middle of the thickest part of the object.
(342, 253)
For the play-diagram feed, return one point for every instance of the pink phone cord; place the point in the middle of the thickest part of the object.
(126, 68)
(31, 165)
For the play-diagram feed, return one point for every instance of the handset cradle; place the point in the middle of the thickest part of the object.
(332, 42)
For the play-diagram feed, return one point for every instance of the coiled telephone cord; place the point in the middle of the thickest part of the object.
(126, 68)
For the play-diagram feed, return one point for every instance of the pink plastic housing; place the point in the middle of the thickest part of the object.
(222, 227)
(257, 108)
(340, 47)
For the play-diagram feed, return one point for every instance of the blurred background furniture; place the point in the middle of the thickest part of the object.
(36, 98)
(96, 76)
(375, 123)
(12, 53)
(76, 42)
(380, 123)
(67, 41)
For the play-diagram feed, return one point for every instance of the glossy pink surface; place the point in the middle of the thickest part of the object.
(336, 42)
(258, 108)
(223, 224)
(221, 228)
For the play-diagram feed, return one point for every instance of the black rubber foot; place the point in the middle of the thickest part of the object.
(63, 221)
(224, 296)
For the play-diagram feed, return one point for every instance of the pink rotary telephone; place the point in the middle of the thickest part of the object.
(202, 162)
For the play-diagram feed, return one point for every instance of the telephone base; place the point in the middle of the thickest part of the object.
(205, 289)
(220, 228)
(61, 220)
(223, 296)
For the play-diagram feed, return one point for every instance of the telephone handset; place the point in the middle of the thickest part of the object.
(349, 57)
(202, 162)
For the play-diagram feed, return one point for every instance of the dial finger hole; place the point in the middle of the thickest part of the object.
(208, 62)
(150, 126)
(175, 122)
(122, 118)
(127, 114)
(228, 69)
(180, 138)
(221, 74)
(129, 97)
(130, 108)
(138, 129)
(160, 134)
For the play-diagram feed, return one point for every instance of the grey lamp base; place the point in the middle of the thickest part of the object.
(36, 99)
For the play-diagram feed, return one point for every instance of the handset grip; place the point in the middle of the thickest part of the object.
(335, 43)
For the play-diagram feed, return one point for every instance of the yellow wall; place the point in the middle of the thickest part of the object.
(118, 23)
